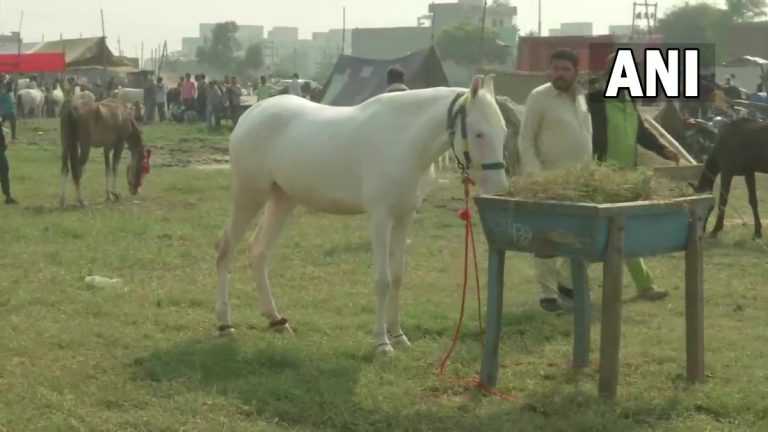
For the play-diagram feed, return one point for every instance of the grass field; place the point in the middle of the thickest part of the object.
(145, 358)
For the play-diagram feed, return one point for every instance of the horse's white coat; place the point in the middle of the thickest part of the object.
(57, 95)
(83, 96)
(128, 95)
(375, 158)
(31, 100)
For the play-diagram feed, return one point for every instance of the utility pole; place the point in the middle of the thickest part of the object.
(343, 28)
(637, 15)
(482, 29)
(539, 33)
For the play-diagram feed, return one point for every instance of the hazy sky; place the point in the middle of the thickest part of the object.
(153, 21)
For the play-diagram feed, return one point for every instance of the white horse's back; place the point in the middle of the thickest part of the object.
(326, 157)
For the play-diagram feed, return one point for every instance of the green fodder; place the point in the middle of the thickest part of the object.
(597, 183)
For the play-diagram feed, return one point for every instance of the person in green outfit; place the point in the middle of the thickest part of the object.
(5, 182)
(8, 107)
(617, 129)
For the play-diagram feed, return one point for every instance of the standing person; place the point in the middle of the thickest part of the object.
(111, 86)
(295, 87)
(395, 80)
(213, 104)
(5, 181)
(162, 95)
(188, 93)
(150, 101)
(202, 96)
(265, 89)
(8, 108)
(234, 94)
(617, 129)
(555, 132)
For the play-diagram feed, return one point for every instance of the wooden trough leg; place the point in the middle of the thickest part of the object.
(610, 329)
(581, 313)
(694, 301)
(489, 366)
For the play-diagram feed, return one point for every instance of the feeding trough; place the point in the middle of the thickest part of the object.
(607, 233)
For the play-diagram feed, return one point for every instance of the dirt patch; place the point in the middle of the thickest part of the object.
(189, 157)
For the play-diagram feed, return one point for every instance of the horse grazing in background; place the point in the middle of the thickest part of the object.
(30, 102)
(106, 125)
(741, 150)
(56, 97)
(83, 95)
(374, 158)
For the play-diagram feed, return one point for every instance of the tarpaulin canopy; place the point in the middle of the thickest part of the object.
(356, 79)
(32, 63)
(85, 52)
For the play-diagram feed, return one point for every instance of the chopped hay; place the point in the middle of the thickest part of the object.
(597, 183)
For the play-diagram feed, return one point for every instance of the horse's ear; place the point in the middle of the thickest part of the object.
(476, 85)
(488, 84)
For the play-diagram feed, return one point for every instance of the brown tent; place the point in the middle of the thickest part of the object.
(84, 53)
(356, 79)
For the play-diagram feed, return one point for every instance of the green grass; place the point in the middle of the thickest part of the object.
(146, 359)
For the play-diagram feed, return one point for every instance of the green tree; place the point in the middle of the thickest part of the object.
(461, 44)
(746, 10)
(253, 60)
(219, 50)
(699, 25)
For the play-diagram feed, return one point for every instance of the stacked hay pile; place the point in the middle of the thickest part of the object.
(597, 184)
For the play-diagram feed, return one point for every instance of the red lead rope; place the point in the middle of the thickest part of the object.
(466, 215)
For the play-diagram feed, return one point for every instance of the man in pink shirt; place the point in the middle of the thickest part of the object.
(188, 93)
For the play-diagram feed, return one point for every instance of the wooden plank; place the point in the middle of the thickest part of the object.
(694, 300)
(582, 313)
(683, 173)
(489, 365)
(685, 158)
(610, 329)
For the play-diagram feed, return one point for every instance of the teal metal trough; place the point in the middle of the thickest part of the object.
(608, 233)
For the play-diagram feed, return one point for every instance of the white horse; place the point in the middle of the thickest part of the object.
(83, 96)
(31, 100)
(371, 158)
(57, 96)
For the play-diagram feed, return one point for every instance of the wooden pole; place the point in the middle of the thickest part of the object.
(610, 325)
(141, 60)
(482, 30)
(582, 314)
(694, 301)
(104, 57)
(343, 28)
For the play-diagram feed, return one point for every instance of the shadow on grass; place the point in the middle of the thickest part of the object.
(319, 392)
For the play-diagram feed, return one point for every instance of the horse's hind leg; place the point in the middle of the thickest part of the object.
(276, 216)
(64, 175)
(749, 179)
(245, 208)
(725, 190)
(381, 231)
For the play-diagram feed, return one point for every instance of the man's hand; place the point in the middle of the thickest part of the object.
(671, 155)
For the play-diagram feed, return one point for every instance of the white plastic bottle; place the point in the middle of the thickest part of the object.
(102, 282)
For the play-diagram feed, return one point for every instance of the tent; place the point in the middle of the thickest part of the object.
(356, 79)
(83, 53)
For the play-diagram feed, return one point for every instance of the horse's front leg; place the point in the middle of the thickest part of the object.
(725, 190)
(107, 176)
(749, 179)
(381, 229)
(116, 157)
(398, 243)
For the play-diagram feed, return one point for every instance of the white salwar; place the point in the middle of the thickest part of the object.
(555, 133)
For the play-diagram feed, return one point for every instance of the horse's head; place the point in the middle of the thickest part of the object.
(479, 141)
(139, 166)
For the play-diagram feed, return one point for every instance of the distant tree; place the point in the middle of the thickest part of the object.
(219, 50)
(461, 44)
(699, 25)
(746, 10)
(253, 60)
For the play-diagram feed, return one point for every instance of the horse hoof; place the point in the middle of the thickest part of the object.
(713, 235)
(757, 236)
(401, 342)
(227, 331)
(281, 327)
(116, 196)
(385, 352)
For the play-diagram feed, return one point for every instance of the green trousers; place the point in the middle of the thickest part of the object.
(551, 271)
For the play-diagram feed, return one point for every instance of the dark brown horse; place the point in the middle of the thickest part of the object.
(741, 150)
(107, 125)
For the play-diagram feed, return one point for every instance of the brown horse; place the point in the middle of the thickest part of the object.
(741, 150)
(107, 125)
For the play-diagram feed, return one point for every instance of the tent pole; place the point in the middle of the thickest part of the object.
(104, 57)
